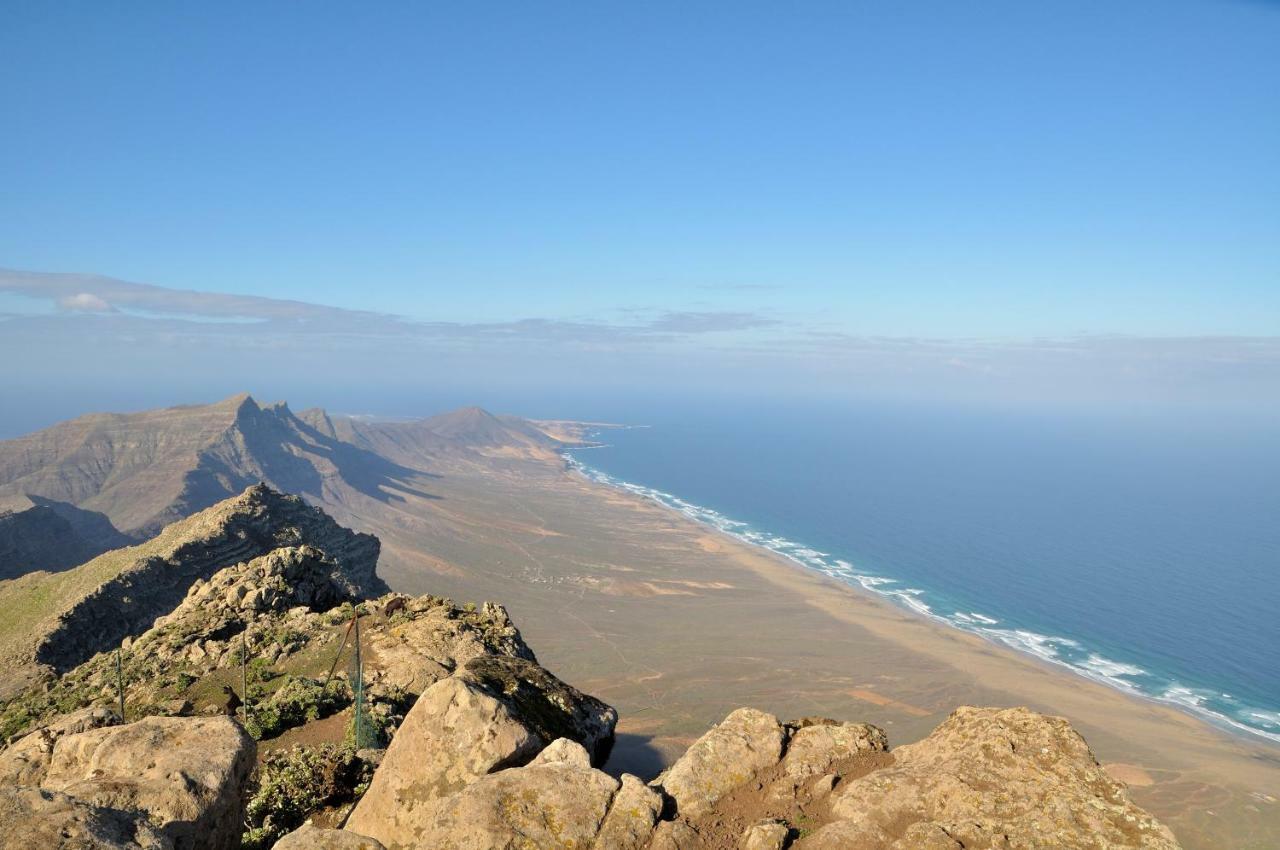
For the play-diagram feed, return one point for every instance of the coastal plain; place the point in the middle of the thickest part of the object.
(675, 624)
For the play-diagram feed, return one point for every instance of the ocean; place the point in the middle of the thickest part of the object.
(1139, 551)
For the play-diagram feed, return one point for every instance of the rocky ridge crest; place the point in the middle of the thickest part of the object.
(62, 620)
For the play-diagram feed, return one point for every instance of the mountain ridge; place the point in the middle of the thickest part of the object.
(145, 470)
(57, 620)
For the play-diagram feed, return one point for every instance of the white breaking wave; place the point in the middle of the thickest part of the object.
(1107, 667)
(971, 617)
(1062, 651)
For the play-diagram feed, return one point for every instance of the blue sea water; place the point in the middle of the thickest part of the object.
(1142, 552)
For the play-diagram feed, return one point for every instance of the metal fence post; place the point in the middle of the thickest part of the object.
(120, 682)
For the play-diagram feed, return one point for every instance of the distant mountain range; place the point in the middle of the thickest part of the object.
(93, 483)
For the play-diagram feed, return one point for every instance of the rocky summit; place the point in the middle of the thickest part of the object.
(275, 695)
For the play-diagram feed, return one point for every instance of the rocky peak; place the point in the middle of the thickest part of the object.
(120, 594)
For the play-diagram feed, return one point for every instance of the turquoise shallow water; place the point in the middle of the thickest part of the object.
(1141, 553)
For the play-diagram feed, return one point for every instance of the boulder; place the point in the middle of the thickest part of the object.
(308, 837)
(548, 706)
(434, 639)
(632, 817)
(185, 774)
(36, 819)
(25, 761)
(558, 802)
(817, 745)
(566, 752)
(990, 777)
(454, 734)
(743, 744)
(765, 835)
(675, 835)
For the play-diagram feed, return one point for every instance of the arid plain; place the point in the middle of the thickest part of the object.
(676, 624)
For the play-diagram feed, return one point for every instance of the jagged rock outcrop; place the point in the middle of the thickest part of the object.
(547, 706)
(429, 640)
(286, 578)
(35, 819)
(267, 608)
(276, 610)
(185, 774)
(241, 606)
(66, 618)
(494, 715)
(986, 777)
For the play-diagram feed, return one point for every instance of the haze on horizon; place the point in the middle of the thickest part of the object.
(554, 210)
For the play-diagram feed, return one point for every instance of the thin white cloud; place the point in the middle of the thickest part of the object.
(84, 302)
(179, 325)
(177, 309)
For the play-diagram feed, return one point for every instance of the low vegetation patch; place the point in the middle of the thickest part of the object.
(292, 785)
(295, 702)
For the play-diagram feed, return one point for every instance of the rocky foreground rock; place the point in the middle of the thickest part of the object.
(464, 742)
(986, 778)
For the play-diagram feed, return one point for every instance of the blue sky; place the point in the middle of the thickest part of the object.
(905, 170)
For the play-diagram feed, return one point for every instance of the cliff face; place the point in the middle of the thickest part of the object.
(127, 466)
(146, 470)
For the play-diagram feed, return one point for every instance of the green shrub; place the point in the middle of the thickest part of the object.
(294, 703)
(384, 711)
(291, 785)
(17, 718)
(341, 614)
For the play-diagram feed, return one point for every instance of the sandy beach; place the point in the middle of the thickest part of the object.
(676, 624)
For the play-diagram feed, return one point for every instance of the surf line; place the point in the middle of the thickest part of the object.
(1053, 649)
